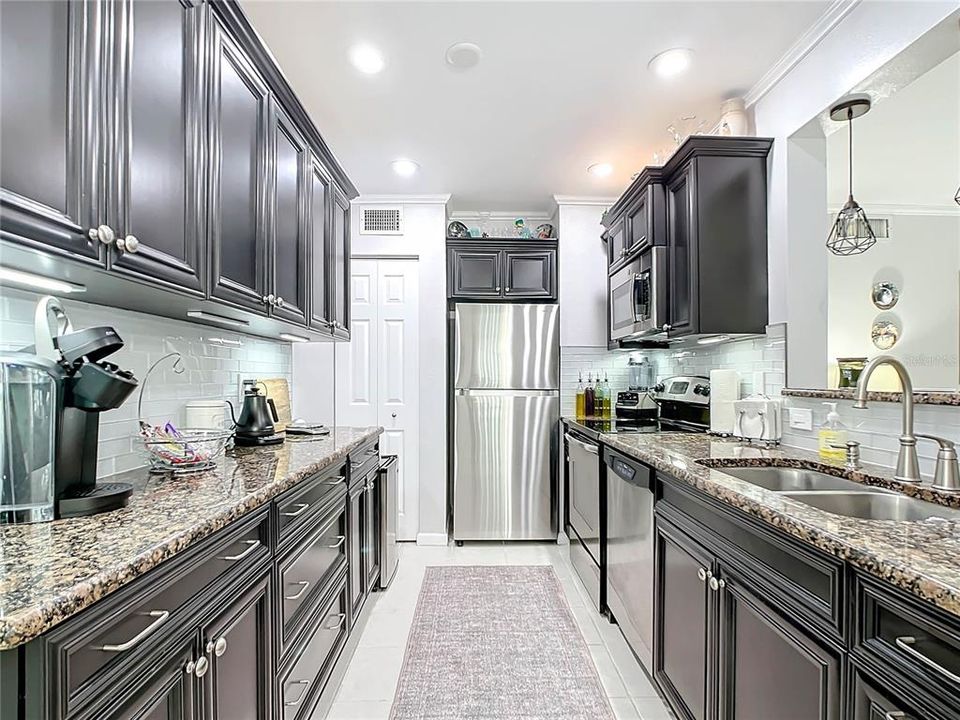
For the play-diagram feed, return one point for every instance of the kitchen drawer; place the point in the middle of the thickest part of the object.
(298, 505)
(363, 460)
(805, 584)
(315, 657)
(307, 568)
(87, 654)
(908, 636)
(890, 699)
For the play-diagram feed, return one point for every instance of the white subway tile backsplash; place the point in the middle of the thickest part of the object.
(212, 370)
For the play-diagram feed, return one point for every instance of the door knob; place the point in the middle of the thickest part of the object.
(393, 415)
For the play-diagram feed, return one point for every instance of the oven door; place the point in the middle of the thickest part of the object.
(638, 298)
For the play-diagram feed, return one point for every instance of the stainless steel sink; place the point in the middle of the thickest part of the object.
(873, 505)
(784, 479)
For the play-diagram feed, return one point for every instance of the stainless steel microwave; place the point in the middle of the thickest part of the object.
(638, 298)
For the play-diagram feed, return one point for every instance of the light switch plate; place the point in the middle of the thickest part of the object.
(801, 418)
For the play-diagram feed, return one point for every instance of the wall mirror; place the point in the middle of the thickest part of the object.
(901, 295)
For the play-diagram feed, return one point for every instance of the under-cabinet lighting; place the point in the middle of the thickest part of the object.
(293, 338)
(713, 339)
(219, 319)
(225, 341)
(39, 282)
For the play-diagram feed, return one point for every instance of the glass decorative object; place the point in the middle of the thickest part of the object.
(884, 334)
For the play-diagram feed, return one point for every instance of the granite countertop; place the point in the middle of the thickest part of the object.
(921, 557)
(50, 571)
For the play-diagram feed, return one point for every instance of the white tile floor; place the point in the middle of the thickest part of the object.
(367, 689)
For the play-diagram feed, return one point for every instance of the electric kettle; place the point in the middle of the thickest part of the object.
(257, 416)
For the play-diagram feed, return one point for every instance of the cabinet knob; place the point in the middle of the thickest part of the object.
(667, 327)
(703, 574)
(498, 288)
(716, 584)
(103, 233)
(128, 244)
(267, 299)
(201, 667)
(279, 301)
(508, 289)
(220, 647)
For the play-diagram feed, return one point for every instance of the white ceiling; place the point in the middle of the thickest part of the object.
(561, 85)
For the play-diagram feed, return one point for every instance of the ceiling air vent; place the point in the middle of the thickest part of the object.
(381, 221)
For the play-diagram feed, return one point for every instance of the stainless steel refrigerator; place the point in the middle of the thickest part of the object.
(506, 407)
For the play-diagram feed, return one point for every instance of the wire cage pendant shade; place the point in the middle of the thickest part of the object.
(851, 233)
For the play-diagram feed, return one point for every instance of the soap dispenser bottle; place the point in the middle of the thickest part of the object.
(833, 435)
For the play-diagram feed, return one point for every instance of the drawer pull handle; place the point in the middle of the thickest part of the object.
(906, 643)
(895, 715)
(304, 584)
(161, 617)
(338, 543)
(341, 617)
(304, 684)
(252, 545)
(335, 481)
(301, 509)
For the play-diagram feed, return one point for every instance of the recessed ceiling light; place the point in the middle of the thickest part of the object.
(404, 167)
(671, 63)
(367, 59)
(600, 170)
(463, 55)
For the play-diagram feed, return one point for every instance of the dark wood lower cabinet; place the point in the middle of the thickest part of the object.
(769, 668)
(170, 694)
(238, 644)
(684, 622)
(247, 625)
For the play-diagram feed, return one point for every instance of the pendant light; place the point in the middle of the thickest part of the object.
(851, 233)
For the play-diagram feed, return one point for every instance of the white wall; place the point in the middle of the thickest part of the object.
(582, 268)
(424, 237)
(868, 37)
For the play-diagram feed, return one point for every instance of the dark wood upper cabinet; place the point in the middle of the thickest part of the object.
(239, 110)
(683, 307)
(474, 273)
(49, 94)
(339, 259)
(155, 175)
(290, 231)
(512, 269)
(753, 638)
(320, 206)
(238, 645)
(530, 273)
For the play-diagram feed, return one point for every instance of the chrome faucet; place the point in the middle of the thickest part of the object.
(947, 476)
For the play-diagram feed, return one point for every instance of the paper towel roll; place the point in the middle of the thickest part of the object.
(724, 390)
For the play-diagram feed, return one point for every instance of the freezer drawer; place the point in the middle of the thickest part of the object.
(497, 345)
(502, 484)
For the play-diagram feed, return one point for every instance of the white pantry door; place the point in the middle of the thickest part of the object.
(377, 371)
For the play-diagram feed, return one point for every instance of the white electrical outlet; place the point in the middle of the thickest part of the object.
(801, 418)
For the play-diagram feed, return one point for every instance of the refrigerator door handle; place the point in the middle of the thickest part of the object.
(472, 392)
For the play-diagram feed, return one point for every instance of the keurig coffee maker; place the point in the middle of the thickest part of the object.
(90, 385)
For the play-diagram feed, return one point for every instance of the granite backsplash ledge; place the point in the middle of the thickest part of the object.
(51, 571)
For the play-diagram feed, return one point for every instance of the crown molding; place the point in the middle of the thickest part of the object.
(813, 36)
(887, 210)
(500, 215)
(591, 200)
(439, 199)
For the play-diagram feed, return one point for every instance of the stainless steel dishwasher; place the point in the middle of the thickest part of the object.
(630, 551)
(584, 511)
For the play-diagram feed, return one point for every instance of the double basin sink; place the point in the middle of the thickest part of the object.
(840, 496)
